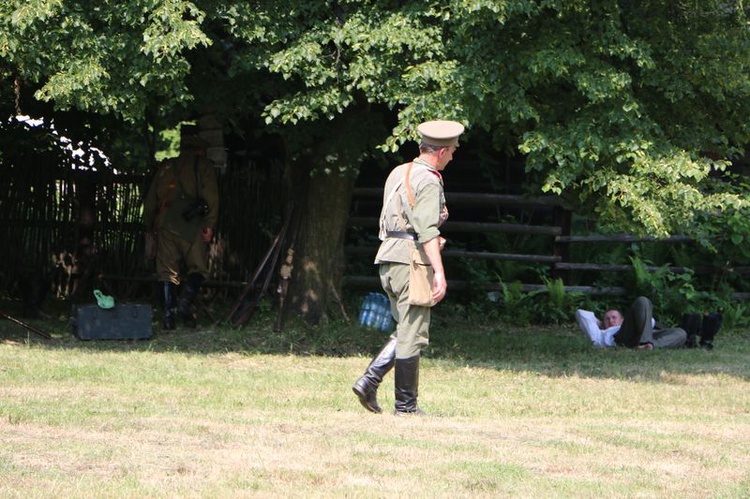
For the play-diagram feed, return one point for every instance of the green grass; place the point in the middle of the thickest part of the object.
(229, 412)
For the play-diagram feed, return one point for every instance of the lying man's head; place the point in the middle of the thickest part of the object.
(612, 318)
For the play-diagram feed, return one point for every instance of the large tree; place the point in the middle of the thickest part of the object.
(633, 109)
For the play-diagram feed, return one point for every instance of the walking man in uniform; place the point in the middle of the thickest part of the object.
(181, 209)
(413, 210)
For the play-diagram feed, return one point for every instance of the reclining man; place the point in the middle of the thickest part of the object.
(635, 329)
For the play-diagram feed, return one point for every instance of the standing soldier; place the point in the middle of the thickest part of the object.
(181, 209)
(413, 210)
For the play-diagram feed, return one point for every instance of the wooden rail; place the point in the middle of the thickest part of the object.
(476, 255)
(372, 222)
(372, 282)
(620, 238)
(475, 199)
(559, 261)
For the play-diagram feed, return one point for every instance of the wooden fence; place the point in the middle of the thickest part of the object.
(43, 217)
(40, 217)
(555, 227)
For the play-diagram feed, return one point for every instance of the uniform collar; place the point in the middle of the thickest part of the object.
(420, 161)
(432, 169)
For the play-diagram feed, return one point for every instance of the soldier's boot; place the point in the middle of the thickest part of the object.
(407, 387)
(691, 323)
(169, 291)
(366, 387)
(711, 325)
(188, 294)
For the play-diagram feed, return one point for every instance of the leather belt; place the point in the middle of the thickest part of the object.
(411, 236)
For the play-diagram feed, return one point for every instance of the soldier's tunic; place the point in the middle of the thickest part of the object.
(173, 189)
(423, 219)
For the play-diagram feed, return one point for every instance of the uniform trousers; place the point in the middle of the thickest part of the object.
(413, 322)
(172, 249)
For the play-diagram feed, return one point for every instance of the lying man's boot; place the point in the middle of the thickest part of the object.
(711, 326)
(691, 323)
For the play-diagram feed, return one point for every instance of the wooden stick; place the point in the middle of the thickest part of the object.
(272, 254)
(27, 326)
(249, 309)
(285, 280)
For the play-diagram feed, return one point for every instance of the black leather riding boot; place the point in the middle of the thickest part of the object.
(407, 386)
(188, 294)
(169, 290)
(691, 323)
(366, 387)
(711, 325)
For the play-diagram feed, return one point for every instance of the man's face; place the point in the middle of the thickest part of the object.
(445, 156)
(612, 318)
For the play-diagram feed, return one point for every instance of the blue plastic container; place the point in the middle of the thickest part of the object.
(376, 313)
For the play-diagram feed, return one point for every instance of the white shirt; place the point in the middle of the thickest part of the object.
(589, 324)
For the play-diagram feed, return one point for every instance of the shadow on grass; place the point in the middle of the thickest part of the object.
(482, 342)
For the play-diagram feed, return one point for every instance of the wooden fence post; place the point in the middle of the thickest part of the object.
(563, 219)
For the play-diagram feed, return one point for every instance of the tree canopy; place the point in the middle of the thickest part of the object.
(627, 106)
(632, 110)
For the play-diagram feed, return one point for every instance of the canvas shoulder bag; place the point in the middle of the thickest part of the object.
(420, 270)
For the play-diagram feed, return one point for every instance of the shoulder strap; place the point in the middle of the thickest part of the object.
(407, 181)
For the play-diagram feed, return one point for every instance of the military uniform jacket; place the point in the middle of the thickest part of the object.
(424, 218)
(174, 187)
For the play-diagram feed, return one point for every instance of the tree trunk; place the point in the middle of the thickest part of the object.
(323, 213)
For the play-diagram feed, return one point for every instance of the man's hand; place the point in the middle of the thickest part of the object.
(439, 283)
(439, 287)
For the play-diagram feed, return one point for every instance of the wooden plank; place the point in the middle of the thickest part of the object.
(458, 285)
(483, 255)
(477, 255)
(476, 198)
(620, 238)
(612, 267)
(209, 283)
(482, 199)
(702, 270)
(593, 290)
(374, 283)
(503, 228)
(371, 222)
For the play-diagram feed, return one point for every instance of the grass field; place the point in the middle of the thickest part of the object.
(227, 412)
